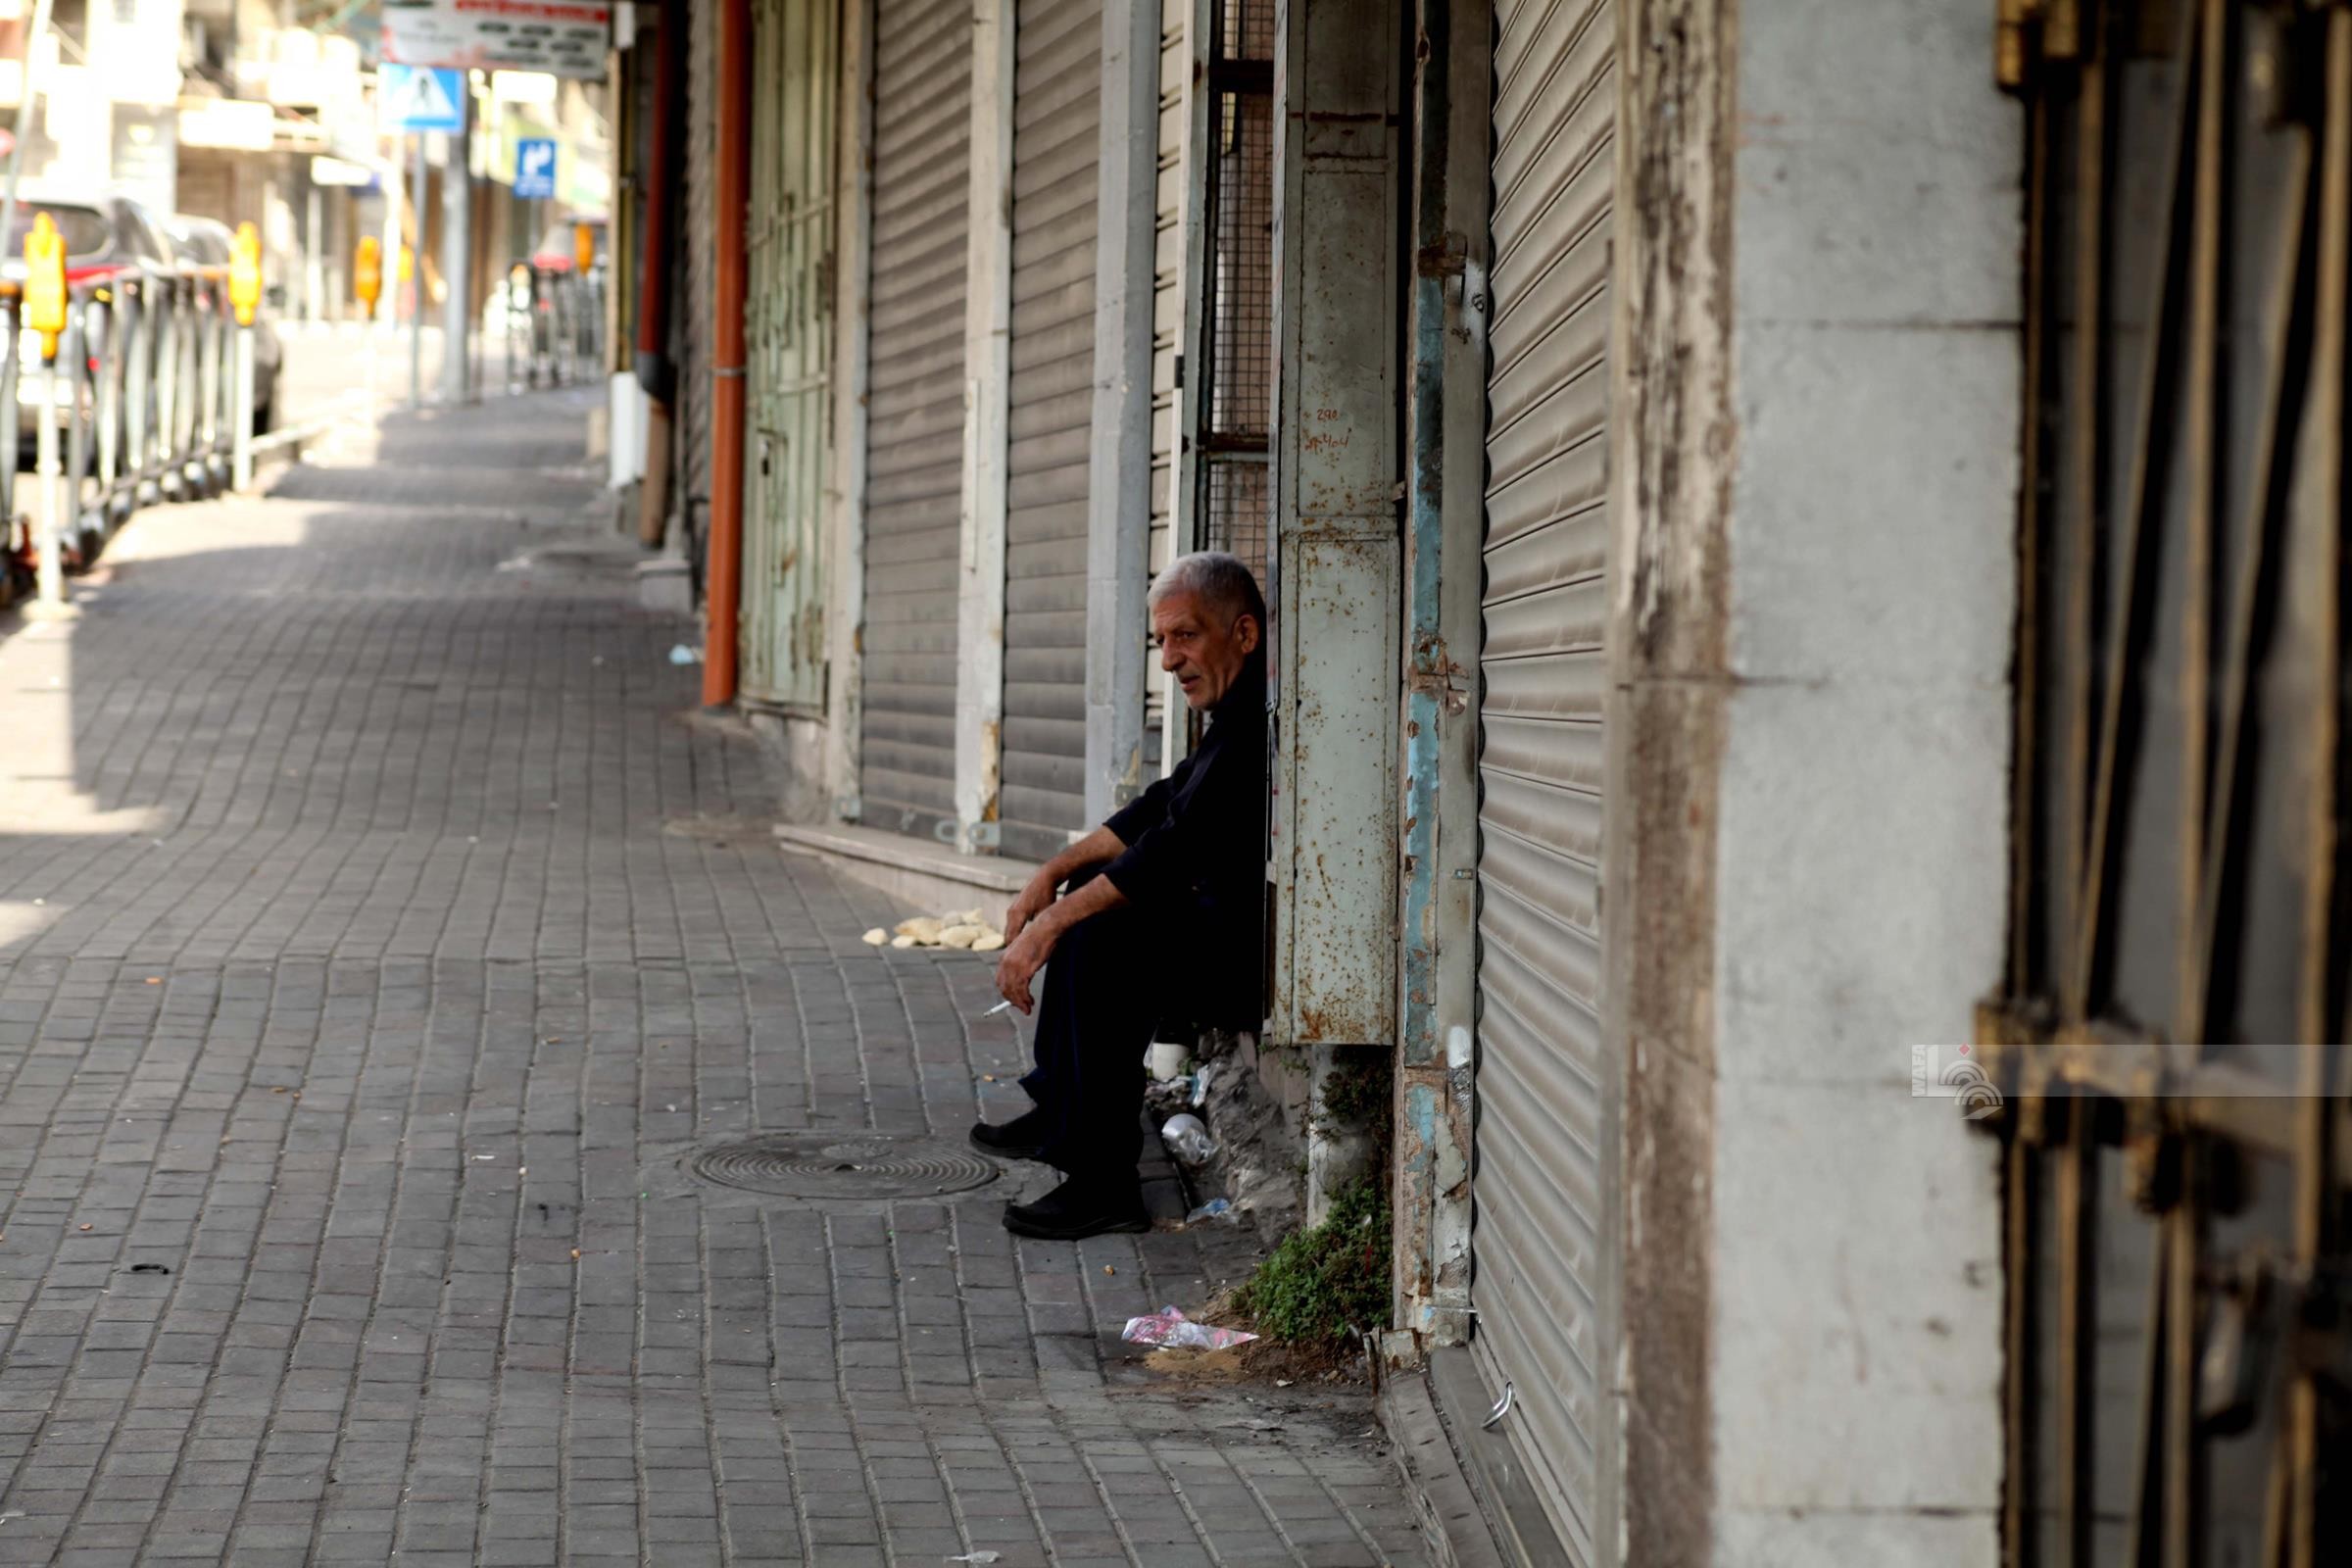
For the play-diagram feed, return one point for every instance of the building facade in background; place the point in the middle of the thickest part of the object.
(230, 110)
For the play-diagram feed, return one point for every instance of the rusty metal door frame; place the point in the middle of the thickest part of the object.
(2170, 1035)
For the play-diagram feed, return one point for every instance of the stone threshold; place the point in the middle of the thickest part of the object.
(1477, 1505)
(927, 878)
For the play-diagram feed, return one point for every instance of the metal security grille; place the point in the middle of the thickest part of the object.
(1057, 130)
(914, 411)
(788, 329)
(1544, 1261)
(1235, 439)
(2175, 1131)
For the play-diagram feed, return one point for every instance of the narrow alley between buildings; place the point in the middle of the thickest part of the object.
(383, 931)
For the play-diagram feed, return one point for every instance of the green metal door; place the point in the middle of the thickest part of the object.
(787, 328)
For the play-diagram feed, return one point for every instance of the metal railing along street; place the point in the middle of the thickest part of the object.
(140, 403)
(555, 325)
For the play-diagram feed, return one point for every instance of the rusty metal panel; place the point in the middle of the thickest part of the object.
(1544, 1259)
(1332, 162)
(1336, 833)
(922, 190)
(1057, 77)
(788, 331)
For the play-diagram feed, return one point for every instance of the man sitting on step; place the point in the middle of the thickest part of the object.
(1164, 912)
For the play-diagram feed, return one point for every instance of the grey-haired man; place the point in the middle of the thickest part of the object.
(1164, 904)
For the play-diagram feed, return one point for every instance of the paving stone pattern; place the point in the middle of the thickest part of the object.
(380, 927)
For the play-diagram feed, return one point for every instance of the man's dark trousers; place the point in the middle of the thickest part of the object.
(1103, 993)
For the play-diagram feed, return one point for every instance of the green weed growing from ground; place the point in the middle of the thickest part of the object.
(1325, 1281)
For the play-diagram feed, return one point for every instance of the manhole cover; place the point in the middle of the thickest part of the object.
(844, 1165)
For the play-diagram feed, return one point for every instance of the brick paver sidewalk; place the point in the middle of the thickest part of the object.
(379, 925)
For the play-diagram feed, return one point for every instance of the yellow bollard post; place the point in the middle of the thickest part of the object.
(45, 305)
(245, 295)
(367, 283)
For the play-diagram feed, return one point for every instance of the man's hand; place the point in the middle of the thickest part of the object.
(1034, 900)
(1022, 958)
(1029, 952)
(1044, 888)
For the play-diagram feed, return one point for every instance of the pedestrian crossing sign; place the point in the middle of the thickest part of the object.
(412, 98)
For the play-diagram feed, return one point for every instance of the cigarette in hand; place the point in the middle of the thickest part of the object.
(998, 1007)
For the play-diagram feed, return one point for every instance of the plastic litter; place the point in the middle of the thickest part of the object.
(1214, 1208)
(1170, 1328)
(683, 655)
(1187, 1139)
(1201, 1085)
(979, 1556)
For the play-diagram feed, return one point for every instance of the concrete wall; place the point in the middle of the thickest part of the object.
(1818, 491)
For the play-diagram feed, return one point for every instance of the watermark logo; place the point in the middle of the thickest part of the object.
(1962, 1078)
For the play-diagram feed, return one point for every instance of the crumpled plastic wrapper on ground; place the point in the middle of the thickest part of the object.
(1170, 1329)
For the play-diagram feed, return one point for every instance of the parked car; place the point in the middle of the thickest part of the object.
(102, 234)
(110, 233)
(207, 242)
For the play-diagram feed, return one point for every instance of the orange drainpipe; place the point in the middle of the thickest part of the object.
(724, 582)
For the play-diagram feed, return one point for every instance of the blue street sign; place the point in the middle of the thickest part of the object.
(535, 167)
(414, 98)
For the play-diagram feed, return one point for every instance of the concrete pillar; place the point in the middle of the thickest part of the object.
(1119, 467)
(845, 587)
(987, 383)
(1815, 472)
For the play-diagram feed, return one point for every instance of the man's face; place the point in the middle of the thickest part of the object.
(1197, 645)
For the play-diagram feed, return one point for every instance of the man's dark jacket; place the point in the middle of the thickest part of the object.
(1196, 855)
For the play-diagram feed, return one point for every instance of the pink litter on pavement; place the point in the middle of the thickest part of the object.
(1169, 1327)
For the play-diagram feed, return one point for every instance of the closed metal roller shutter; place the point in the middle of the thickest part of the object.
(1057, 75)
(1545, 1258)
(914, 409)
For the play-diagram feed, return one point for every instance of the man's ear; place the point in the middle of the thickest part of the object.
(1246, 630)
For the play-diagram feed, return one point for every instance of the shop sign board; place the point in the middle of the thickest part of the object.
(560, 38)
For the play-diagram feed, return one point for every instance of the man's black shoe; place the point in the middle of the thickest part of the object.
(1022, 1138)
(1082, 1207)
